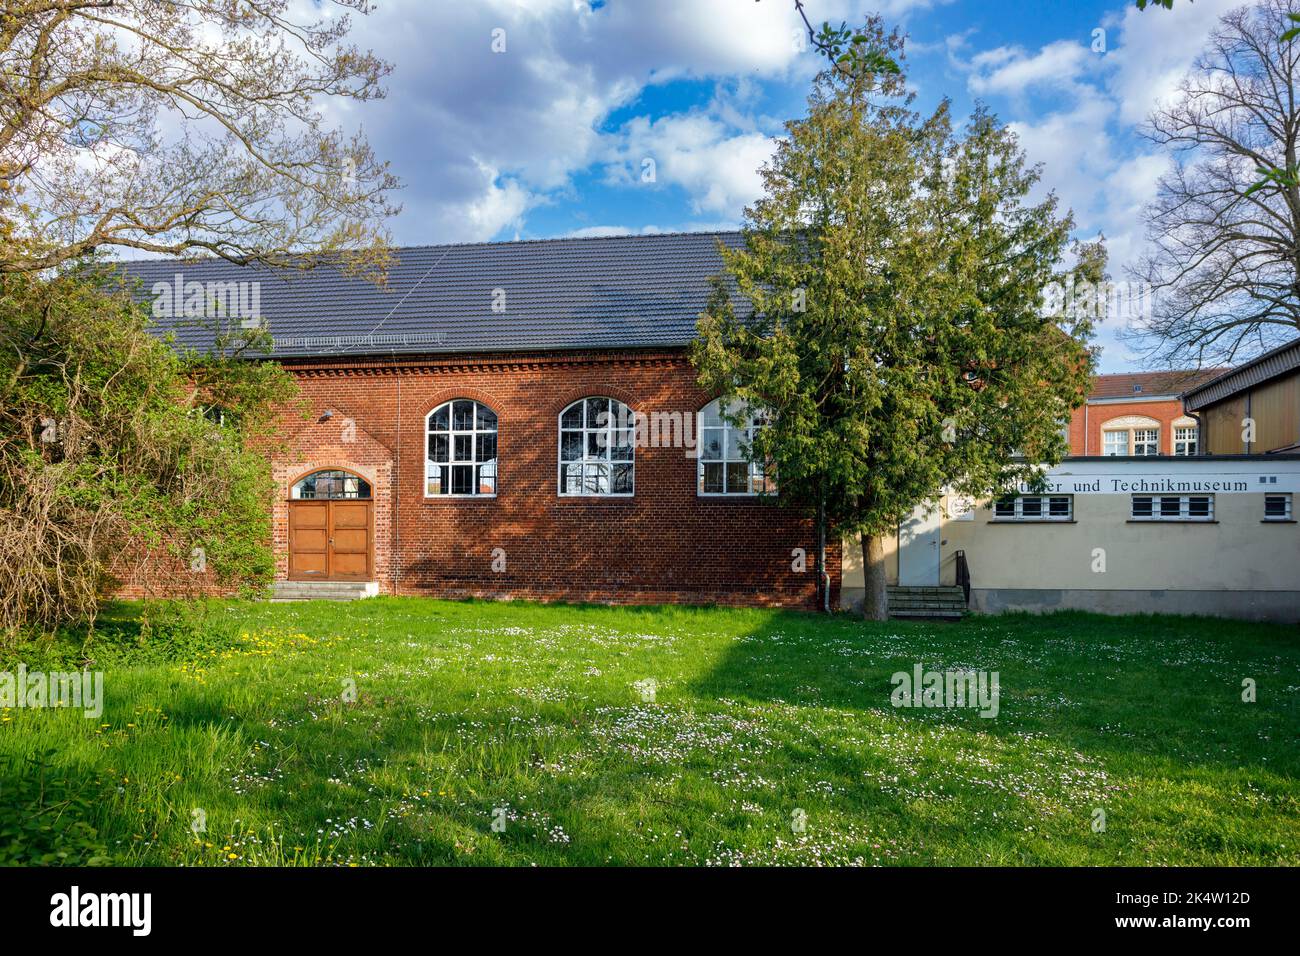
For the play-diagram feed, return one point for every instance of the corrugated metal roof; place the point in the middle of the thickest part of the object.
(1279, 361)
(537, 295)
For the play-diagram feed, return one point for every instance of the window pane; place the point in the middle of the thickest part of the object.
(1274, 506)
(571, 479)
(1060, 507)
(570, 446)
(572, 417)
(737, 477)
(487, 479)
(595, 479)
(438, 448)
(620, 416)
(439, 420)
(598, 445)
(486, 449)
(622, 450)
(437, 483)
(713, 478)
(487, 419)
(462, 480)
(1170, 506)
(734, 438)
(1198, 507)
(622, 480)
(462, 416)
(597, 412)
(1141, 507)
(1031, 507)
(711, 444)
(464, 447)
(1005, 508)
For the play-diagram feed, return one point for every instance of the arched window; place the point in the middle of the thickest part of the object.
(1130, 435)
(596, 454)
(331, 483)
(725, 467)
(461, 458)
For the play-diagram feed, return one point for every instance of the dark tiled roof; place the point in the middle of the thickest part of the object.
(559, 294)
(1278, 361)
(1139, 385)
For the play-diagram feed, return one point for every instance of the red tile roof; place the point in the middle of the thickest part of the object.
(1138, 385)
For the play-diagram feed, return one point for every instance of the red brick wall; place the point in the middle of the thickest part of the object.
(664, 544)
(1097, 415)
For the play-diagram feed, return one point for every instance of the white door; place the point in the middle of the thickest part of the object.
(918, 549)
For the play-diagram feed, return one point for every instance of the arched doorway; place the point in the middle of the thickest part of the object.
(331, 527)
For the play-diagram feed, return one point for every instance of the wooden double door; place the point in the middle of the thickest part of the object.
(332, 540)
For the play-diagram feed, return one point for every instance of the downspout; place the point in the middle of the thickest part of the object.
(395, 486)
(823, 574)
(1085, 428)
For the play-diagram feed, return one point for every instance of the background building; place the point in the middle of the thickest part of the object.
(1137, 414)
(1174, 535)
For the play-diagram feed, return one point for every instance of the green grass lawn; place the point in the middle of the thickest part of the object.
(534, 716)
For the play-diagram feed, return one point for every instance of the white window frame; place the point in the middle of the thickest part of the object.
(1018, 512)
(1106, 443)
(473, 463)
(605, 433)
(1152, 442)
(755, 472)
(1188, 438)
(1158, 505)
(1288, 512)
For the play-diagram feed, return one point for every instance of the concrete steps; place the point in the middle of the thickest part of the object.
(322, 590)
(939, 603)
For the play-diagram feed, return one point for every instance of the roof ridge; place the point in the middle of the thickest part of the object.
(544, 239)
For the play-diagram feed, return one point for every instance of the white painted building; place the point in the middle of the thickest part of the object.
(1177, 535)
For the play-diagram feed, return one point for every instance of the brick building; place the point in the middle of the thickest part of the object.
(1137, 414)
(508, 419)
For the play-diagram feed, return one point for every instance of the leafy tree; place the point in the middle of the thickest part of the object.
(118, 450)
(185, 126)
(885, 311)
(1225, 224)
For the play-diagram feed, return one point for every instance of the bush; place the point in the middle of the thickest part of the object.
(119, 451)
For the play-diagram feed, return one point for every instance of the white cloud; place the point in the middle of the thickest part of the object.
(1087, 141)
(717, 168)
(1010, 70)
(480, 137)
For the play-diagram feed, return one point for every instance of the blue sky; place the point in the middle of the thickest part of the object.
(549, 133)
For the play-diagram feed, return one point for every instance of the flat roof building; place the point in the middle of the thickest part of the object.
(1210, 535)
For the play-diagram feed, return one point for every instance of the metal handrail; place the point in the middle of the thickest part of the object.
(963, 575)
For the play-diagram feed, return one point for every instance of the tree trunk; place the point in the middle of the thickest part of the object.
(875, 603)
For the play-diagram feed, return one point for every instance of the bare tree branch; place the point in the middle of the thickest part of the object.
(1224, 265)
